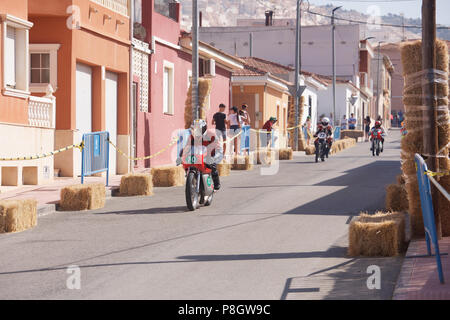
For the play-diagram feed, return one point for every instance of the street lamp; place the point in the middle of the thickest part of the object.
(334, 63)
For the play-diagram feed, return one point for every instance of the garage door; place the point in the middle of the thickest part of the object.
(83, 105)
(111, 115)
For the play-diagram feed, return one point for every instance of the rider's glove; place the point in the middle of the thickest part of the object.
(179, 161)
(209, 160)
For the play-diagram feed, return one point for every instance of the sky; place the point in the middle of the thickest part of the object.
(411, 8)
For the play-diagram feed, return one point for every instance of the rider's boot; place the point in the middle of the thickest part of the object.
(216, 181)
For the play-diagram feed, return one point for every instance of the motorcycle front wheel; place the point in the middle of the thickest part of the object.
(378, 148)
(191, 191)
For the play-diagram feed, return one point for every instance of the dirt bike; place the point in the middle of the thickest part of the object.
(377, 143)
(322, 146)
(199, 183)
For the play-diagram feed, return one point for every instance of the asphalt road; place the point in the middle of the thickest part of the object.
(280, 236)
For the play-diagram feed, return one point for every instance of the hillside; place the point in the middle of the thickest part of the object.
(228, 12)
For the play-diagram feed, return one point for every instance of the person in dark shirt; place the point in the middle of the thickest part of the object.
(268, 127)
(219, 121)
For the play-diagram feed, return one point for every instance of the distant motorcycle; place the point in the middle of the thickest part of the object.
(322, 146)
(377, 141)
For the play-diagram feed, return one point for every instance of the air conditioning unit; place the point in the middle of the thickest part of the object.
(209, 68)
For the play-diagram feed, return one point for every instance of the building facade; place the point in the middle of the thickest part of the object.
(170, 72)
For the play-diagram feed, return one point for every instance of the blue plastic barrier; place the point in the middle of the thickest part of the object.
(95, 154)
(337, 133)
(245, 138)
(428, 212)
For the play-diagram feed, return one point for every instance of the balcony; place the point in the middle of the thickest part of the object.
(42, 111)
(119, 6)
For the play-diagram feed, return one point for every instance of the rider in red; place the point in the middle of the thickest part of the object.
(210, 145)
(326, 127)
(383, 133)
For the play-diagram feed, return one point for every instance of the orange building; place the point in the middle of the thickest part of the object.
(77, 50)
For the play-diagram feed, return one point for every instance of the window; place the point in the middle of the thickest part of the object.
(43, 66)
(10, 56)
(138, 11)
(168, 90)
(40, 68)
(15, 57)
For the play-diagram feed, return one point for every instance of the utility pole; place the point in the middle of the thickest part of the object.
(430, 129)
(333, 28)
(297, 72)
(378, 79)
(194, 31)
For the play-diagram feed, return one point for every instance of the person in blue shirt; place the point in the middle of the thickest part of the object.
(352, 122)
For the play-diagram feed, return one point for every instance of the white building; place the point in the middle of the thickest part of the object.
(277, 43)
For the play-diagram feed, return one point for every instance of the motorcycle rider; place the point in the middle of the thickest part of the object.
(324, 126)
(208, 141)
(383, 134)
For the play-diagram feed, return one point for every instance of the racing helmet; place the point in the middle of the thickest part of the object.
(377, 124)
(325, 121)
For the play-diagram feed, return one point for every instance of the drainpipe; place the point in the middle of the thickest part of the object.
(132, 128)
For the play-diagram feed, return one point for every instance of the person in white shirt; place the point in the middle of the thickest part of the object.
(235, 126)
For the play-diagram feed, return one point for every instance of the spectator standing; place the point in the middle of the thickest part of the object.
(367, 122)
(219, 120)
(268, 126)
(235, 127)
(245, 124)
(344, 123)
(352, 122)
(308, 129)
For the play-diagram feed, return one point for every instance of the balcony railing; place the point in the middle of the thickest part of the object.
(119, 6)
(42, 111)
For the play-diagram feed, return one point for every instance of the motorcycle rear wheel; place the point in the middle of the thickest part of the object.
(192, 196)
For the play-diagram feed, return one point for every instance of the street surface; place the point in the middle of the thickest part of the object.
(282, 236)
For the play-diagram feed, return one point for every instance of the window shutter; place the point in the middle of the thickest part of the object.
(10, 57)
(166, 91)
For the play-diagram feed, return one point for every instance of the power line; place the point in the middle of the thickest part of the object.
(372, 23)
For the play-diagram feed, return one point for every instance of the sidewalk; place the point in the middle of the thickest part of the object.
(419, 279)
(48, 195)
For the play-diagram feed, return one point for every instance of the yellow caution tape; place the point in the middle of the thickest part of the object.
(147, 157)
(231, 139)
(45, 155)
(439, 174)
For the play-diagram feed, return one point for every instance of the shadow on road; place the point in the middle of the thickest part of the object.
(362, 192)
(165, 210)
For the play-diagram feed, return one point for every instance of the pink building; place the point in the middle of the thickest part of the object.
(169, 72)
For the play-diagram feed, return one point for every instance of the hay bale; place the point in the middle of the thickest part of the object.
(83, 197)
(242, 163)
(396, 197)
(400, 179)
(310, 150)
(139, 184)
(373, 239)
(291, 123)
(17, 215)
(352, 134)
(286, 154)
(411, 54)
(168, 176)
(204, 90)
(264, 156)
(224, 169)
(399, 217)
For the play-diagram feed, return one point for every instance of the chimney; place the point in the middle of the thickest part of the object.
(269, 18)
